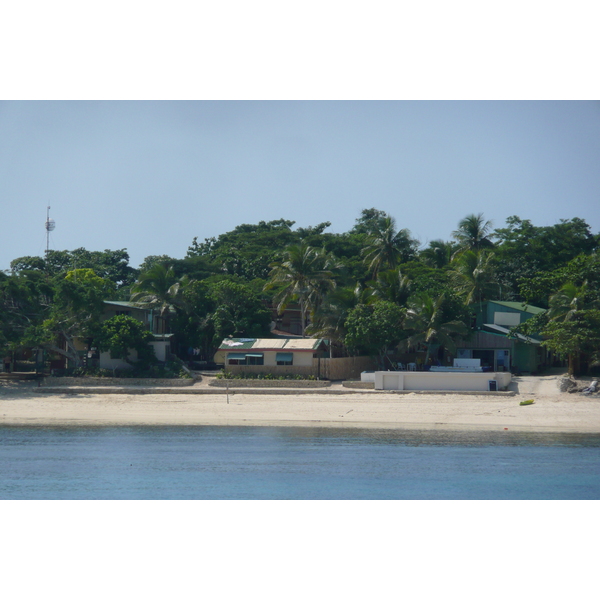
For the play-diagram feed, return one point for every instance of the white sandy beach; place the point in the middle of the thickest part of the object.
(552, 411)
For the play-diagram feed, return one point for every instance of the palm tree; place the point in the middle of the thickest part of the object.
(158, 288)
(473, 233)
(305, 276)
(474, 276)
(425, 320)
(329, 319)
(438, 254)
(569, 299)
(570, 306)
(387, 247)
(389, 285)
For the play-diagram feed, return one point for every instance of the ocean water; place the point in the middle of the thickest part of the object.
(244, 463)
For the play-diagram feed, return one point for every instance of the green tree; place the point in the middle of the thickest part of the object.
(370, 222)
(474, 276)
(571, 330)
(239, 311)
(193, 322)
(304, 276)
(121, 334)
(374, 329)
(75, 312)
(438, 254)
(426, 323)
(525, 251)
(248, 250)
(575, 338)
(329, 320)
(25, 300)
(108, 264)
(474, 233)
(159, 289)
(386, 248)
(390, 285)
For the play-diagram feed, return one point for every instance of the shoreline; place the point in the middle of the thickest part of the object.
(552, 411)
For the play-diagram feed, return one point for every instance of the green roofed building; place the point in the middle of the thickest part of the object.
(491, 343)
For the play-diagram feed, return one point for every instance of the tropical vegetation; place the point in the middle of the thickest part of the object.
(371, 290)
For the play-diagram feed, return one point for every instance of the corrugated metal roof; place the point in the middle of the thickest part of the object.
(270, 344)
(124, 304)
(506, 331)
(302, 344)
(273, 344)
(236, 344)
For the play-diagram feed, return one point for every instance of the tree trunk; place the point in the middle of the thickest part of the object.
(72, 356)
(575, 364)
(303, 317)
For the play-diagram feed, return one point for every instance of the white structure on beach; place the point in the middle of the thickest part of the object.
(464, 376)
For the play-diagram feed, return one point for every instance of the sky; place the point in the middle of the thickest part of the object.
(149, 176)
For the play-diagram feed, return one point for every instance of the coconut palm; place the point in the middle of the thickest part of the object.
(571, 310)
(570, 299)
(426, 324)
(473, 233)
(387, 247)
(474, 276)
(329, 319)
(438, 254)
(303, 276)
(389, 285)
(158, 288)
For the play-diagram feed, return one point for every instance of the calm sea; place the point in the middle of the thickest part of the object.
(294, 463)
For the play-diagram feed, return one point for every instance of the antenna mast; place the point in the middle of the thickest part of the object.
(50, 225)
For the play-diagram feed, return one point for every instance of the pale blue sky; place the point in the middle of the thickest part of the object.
(150, 175)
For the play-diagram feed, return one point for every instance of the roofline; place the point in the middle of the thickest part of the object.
(284, 349)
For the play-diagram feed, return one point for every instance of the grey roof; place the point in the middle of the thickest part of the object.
(504, 330)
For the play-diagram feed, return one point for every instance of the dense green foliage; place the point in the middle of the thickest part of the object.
(368, 290)
(121, 334)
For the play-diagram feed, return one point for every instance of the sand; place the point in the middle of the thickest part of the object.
(25, 404)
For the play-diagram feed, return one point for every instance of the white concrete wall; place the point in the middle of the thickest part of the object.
(106, 362)
(425, 380)
(160, 350)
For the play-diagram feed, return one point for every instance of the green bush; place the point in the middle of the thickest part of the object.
(264, 376)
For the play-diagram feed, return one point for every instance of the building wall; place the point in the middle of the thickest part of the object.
(106, 362)
(272, 370)
(481, 339)
(162, 350)
(323, 368)
(423, 380)
(301, 359)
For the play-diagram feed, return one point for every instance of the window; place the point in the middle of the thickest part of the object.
(125, 313)
(284, 359)
(255, 359)
(236, 358)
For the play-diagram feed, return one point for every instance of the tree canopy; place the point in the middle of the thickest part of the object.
(346, 284)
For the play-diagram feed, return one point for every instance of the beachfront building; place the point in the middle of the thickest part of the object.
(278, 356)
(161, 341)
(491, 344)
